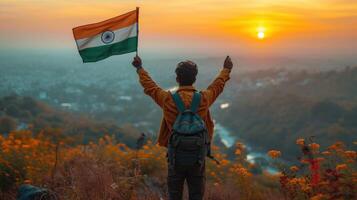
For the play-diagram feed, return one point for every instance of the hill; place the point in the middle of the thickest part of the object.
(26, 113)
(296, 105)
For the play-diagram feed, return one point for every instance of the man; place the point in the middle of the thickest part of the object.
(185, 77)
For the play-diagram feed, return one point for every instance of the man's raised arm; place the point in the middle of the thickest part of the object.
(217, 86)
(150, 87)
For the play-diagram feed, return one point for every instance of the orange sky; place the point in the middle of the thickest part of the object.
(196, 26)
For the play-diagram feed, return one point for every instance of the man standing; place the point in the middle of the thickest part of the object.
(186, 73)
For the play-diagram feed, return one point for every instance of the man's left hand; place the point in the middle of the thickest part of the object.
(137, 62)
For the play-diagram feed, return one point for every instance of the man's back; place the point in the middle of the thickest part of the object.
(186, 73)
(165, 101)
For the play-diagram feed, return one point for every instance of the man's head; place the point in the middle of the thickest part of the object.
(186, 73)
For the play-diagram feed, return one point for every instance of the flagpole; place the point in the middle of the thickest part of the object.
(137, 30)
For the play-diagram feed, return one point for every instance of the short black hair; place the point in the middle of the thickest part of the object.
(186, 73)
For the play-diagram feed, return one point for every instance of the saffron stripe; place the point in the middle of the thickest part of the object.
(112, 24)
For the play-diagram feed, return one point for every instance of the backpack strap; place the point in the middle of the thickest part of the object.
(196, 100)
(178, 101)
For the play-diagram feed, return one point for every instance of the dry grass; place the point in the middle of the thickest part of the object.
(111, 170)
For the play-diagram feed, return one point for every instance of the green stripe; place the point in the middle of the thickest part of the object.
(95, 54)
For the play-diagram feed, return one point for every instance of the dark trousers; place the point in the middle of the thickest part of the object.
(195, 178)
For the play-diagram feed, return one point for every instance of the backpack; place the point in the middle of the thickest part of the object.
(189, 142)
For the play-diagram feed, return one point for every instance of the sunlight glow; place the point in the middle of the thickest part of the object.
(261, 35)
(261, 32)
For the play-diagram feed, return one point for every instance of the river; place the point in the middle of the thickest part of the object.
(229, 140)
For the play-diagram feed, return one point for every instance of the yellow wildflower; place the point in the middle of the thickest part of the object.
(317, 197)
(320, 159)
(294, 168)
(224, 162)
(351, 154)
(350, 161)
(243, 172)
(314, 146)
(274, 154)
(304, 161)
(337, 146)
(300, 141)
(341, 167)
(326, 153)
(297, 181)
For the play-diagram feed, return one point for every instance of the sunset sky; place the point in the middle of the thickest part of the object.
(202, 27)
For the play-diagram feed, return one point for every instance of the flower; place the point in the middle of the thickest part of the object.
(224, 162)
(297, 181)
(326, 153)
(294, 168)
(320, 159)
(274, 154)
(351, 154)
(336, 147)
(317, 197)
(314, 146)
(300, 141)
(242, 171)
(341, 167)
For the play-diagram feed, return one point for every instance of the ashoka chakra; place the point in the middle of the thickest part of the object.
(108, 37)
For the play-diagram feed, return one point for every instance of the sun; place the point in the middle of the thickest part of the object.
(261, 32)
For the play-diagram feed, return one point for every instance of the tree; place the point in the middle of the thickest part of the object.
(7, 124)
(327, 111)
(12, 110)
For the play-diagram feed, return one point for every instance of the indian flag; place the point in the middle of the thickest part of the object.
(115, 36)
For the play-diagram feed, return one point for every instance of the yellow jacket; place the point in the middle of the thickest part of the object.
(164, 100)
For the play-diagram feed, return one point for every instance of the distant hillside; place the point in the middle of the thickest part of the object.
(304, 104)
(17, 112)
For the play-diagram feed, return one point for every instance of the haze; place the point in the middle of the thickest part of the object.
(197, 27)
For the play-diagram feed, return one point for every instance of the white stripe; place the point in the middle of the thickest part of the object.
(95, 41)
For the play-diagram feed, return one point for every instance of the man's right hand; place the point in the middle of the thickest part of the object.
(137, 62)
(228, 63)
